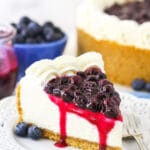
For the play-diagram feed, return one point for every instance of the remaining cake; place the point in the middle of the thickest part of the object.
(120, 31)
(72, 101)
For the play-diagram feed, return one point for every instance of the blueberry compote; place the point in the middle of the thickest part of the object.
(8, 62)
(89, 95)
(136, 10)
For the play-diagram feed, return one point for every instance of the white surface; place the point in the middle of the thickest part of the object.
(8, 115)
(92, 19)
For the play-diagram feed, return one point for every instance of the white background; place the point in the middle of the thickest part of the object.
(62, 12)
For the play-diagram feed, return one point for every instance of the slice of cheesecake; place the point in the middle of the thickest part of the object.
(72, 101)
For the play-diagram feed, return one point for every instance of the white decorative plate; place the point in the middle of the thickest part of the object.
(8, 117)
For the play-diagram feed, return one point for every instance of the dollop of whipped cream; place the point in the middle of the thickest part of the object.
(92, 19)
(45, 70)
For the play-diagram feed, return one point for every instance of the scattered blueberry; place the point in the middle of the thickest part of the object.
(138, 84)
(147, 87)
(34, 132)
(21, 129)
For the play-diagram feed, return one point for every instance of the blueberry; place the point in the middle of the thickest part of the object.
(33, 29)
(30, 41)
(48, 33)
(20, 27)
(138, 84)
(34, 132)
(21, 129)
(57, 36)
(24, 33)
(111, 112)
(57, 92)
(24, 20)
(39, 39)
(48, 24)
(147, 87)
(67, 96)
(14, 25)
(18, 39)
(102, 76)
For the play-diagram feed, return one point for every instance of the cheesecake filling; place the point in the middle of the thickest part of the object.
(92, 19)
(87, 114)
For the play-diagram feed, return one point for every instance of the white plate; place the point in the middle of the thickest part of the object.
(8, 117)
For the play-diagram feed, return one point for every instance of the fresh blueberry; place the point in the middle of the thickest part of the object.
(18, 39)
(24, 20)
(30, 41)
(48, 24)
(14, 25)
(20, 27)
(39, 39)
(33, 29)
(147, 87)
(138, 84)
(24, 33)
(57, 36)
(48, 33)
(34, 132)
(21, 129)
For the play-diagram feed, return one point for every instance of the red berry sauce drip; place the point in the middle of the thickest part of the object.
(103, 124)
(89, 95)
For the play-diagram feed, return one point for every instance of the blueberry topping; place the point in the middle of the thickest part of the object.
(34, 132)
(138, 84)
(87, 90)
(147, 87)
(128, 11)
(21, 129)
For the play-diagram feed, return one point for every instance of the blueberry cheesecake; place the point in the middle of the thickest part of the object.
(71, 101)
(120, 31)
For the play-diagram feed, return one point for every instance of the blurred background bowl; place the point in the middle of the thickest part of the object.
(29, 53)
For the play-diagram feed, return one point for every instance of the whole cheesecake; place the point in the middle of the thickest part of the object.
(71, 100)
(120, 31)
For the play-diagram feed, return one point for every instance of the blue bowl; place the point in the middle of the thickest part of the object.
(29, 53)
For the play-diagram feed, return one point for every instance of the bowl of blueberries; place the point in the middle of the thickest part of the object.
(34, 42)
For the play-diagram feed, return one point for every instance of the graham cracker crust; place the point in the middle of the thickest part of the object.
(75, 142)
(122, 63)
(71, 141)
